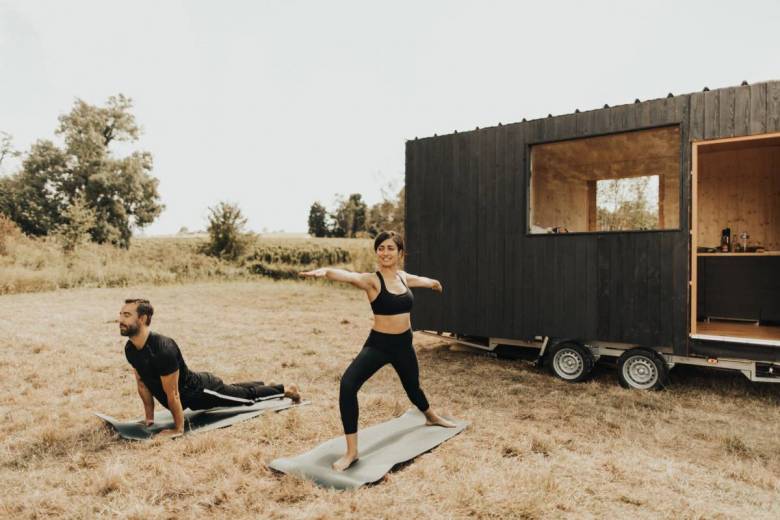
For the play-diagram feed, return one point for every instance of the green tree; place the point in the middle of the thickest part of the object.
(318, 226)
(624, 204)
(120, 191)
(349, 217)
(226, 231)
(386, 215)
(79, 219)
(34, 197)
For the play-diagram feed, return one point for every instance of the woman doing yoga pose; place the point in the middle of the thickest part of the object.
(390, 340)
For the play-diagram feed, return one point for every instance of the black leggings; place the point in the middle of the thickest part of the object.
(216, 393)
(379, 350)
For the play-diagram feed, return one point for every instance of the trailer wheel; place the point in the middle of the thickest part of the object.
(642, 369)
(570, 361)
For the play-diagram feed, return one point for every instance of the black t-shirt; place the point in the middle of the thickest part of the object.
(161, 356)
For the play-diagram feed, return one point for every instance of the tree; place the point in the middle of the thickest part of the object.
(349, 217)
(8, 231)
(6, 147)
(399, 216)
(624, 204)
(78, 220)
(318, 226)
(34, 198)
(387, 215)
(120, 191)
(226, 231)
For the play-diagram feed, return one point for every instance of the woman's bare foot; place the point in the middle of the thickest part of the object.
(293, 393)
(346, 461)
(433, 419)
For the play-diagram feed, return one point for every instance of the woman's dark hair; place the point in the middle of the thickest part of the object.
(384, 235)
(143, 308)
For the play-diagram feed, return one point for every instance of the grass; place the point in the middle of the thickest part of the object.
(537, 447)
(36, 265)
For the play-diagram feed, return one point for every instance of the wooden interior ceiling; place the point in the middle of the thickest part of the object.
(742, 144)
(629, 154)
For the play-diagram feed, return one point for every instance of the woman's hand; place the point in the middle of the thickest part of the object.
(436, 286)
(322, 272)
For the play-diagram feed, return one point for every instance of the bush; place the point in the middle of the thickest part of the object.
(8, 231)
(226, 231)
(79, 220)
(299, 255)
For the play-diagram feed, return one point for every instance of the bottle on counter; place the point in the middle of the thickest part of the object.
(725, 240)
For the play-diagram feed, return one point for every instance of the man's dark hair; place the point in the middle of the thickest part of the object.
(144, 308)
(384, 235)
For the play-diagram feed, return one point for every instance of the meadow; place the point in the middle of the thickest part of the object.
(40, 264)
(536, 447)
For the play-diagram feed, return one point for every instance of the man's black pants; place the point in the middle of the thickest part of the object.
(217, 394)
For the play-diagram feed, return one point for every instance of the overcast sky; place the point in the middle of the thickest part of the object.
(276, 104)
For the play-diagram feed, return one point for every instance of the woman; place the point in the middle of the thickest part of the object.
(390, 340)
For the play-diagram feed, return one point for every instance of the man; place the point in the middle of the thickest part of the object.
(161, 373)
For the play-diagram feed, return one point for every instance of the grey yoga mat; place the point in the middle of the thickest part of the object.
(199, 420)
(381, 446)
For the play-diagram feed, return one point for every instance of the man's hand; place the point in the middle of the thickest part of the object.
(436, 286)
(170, 384)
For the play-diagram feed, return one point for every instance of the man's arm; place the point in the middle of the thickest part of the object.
(170, 384)
(146, 397)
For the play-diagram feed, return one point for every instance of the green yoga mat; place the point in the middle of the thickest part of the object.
(197, 421)
(381, 447)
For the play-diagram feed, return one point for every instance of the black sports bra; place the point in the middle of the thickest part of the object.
(389, 304)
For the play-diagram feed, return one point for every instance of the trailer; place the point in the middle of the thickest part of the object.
(646, 233)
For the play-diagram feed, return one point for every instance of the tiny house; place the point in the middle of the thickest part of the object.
(648, 232)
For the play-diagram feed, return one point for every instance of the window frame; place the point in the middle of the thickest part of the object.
(682, 205)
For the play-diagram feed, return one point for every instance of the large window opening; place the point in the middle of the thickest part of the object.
(619, 182)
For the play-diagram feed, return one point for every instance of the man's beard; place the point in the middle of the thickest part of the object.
(129, 330)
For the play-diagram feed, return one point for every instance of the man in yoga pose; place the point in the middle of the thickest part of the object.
(390, 340)
(161, 373)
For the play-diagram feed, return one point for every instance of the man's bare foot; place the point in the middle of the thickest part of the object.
(293, 393)
(344, 462)
(434, 420)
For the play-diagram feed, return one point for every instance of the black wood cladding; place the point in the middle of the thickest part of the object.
(467, 205)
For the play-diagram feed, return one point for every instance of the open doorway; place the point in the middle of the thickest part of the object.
(735, 236)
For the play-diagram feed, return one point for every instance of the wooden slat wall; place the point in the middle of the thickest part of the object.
(466, 224)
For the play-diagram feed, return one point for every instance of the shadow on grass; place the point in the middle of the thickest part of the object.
(683, 379)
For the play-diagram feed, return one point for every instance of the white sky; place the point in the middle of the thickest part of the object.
(276, 104)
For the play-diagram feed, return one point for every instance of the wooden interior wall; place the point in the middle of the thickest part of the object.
(559, 200)
(740, 189)
(466, 225)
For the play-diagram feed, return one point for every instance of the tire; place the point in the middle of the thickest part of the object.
(570, 361)
(642, 369)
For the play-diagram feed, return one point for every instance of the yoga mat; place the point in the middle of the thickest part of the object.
(380, 447)
(198, 420)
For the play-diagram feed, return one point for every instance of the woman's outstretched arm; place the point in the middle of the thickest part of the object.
(359, 280)
(423, 282)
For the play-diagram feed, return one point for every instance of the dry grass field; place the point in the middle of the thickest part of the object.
(39, 264)
(536, 448)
